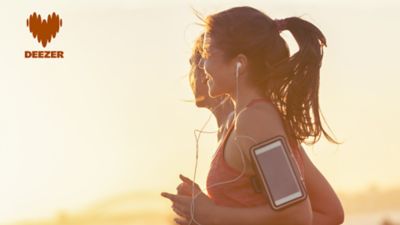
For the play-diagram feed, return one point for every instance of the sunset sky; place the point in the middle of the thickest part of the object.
(113, 115)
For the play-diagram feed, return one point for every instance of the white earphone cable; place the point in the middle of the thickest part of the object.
(192, 208)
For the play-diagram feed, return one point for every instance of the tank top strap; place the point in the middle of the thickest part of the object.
(256, 100)
(252, 102)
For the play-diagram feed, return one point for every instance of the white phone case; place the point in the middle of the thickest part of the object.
(290, 201)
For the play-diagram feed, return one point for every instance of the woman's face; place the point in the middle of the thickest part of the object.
(198, 83)
(220, 73)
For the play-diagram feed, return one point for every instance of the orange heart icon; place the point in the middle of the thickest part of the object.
(42, 29)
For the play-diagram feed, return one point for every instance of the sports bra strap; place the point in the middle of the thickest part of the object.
(252, 102)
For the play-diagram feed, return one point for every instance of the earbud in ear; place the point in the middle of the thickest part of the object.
(238, 65)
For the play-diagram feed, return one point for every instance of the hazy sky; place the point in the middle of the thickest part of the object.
(111, 116)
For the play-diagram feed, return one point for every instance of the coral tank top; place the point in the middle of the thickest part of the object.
(243, 191)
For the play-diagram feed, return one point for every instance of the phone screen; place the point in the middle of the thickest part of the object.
(278, 173)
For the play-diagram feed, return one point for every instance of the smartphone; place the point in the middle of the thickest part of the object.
(278, 173)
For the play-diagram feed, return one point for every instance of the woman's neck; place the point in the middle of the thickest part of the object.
(221, 114)
(246, 95)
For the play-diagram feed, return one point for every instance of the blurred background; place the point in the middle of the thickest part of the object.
(95, 137)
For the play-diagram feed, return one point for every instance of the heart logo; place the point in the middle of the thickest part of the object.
(42, 29)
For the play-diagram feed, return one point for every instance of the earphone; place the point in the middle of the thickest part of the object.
(197, 138)
(238, 65)
(236, 115)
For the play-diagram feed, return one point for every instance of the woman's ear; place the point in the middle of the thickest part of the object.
(241, 63)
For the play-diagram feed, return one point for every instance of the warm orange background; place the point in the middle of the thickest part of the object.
(110, 119)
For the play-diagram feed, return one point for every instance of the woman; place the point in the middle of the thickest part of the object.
(324, 201)
(249, 61)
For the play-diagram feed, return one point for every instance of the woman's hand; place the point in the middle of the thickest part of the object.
(186, 187)
(204, 207)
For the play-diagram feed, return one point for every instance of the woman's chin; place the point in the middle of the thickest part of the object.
(214, 94)
(200, 104)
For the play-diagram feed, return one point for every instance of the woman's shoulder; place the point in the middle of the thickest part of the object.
(261, 121)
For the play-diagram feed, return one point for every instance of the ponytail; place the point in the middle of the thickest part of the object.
(296, 81)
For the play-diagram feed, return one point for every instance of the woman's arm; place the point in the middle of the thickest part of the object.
(261, 123)
(326, 206)
(208, 213)
(298, 214)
